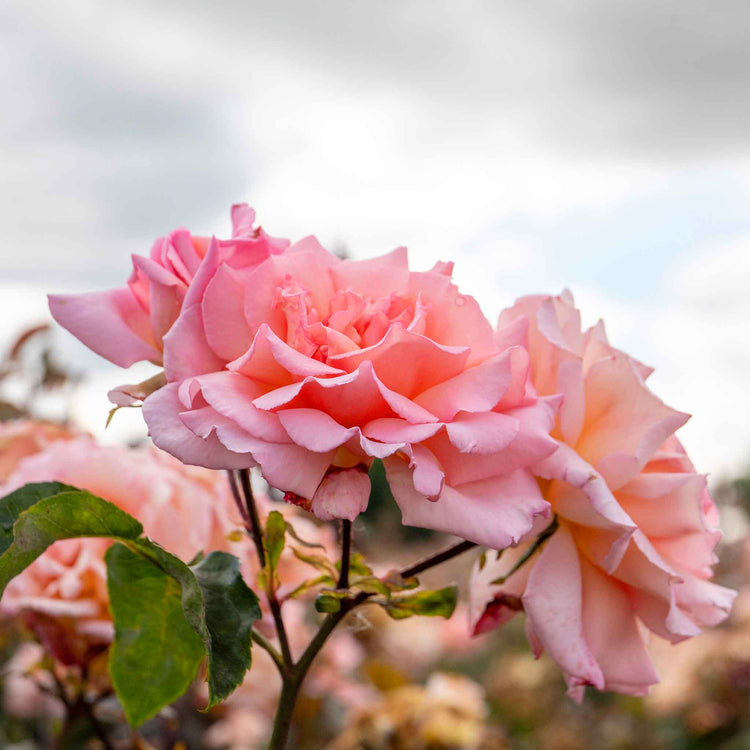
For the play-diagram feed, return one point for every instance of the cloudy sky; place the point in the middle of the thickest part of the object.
(603, 146)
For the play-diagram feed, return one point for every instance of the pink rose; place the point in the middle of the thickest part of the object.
(62, 596)
(24, 437)
(312, 366)
(637, 528)
(128, 324)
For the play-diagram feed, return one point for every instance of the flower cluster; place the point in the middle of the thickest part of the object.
(62, 596)
(533, 436)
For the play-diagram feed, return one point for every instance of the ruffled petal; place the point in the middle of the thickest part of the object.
(161, 410)
(553, 601)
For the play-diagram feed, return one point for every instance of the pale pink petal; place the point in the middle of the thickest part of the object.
(612, 634)
(427, 476)
(343, 493)
(111, 323)
(203, 275)
(377, 277)
(232, 396)
(291, 468)
(553, 601)
(314, 429)
(271, 360)
(392, 430)
(482, 433)
(495, 512)
(186, 351)
(227, 331)
(161, 410)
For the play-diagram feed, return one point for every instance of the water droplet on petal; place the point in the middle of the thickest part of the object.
(460, 300)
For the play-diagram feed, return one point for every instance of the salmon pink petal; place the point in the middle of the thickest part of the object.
(111, 323)
(455, 319)
(354, 398)
(393, 430)
(553, 601)
(477, 389)
(314, 430)
(531, 444)
(406, 362)
(674, 512)
(271, 360)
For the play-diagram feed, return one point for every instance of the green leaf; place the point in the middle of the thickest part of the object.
(231, 609)
(156, 653)
(11, 506)
(292, 533)
(310, 583)
(357, 565)
(327, 602)
(319, 562)
(274, 538)
(67, 514)
(372, 585)
(215, 605)
(437, 603)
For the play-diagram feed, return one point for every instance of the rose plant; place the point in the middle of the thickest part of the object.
(534, 440)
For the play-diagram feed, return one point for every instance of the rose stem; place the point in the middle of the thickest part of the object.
(346, 551)
(257, 534)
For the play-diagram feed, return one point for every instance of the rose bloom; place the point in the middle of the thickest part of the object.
(637, 527)
(23, 437)
(127, 324)
(62, 596)
(313, 366)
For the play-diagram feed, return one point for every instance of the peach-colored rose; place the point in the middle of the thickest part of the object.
(127, 324)
(637, 528)
(24, 437)
(312, 367)
(62, 596)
